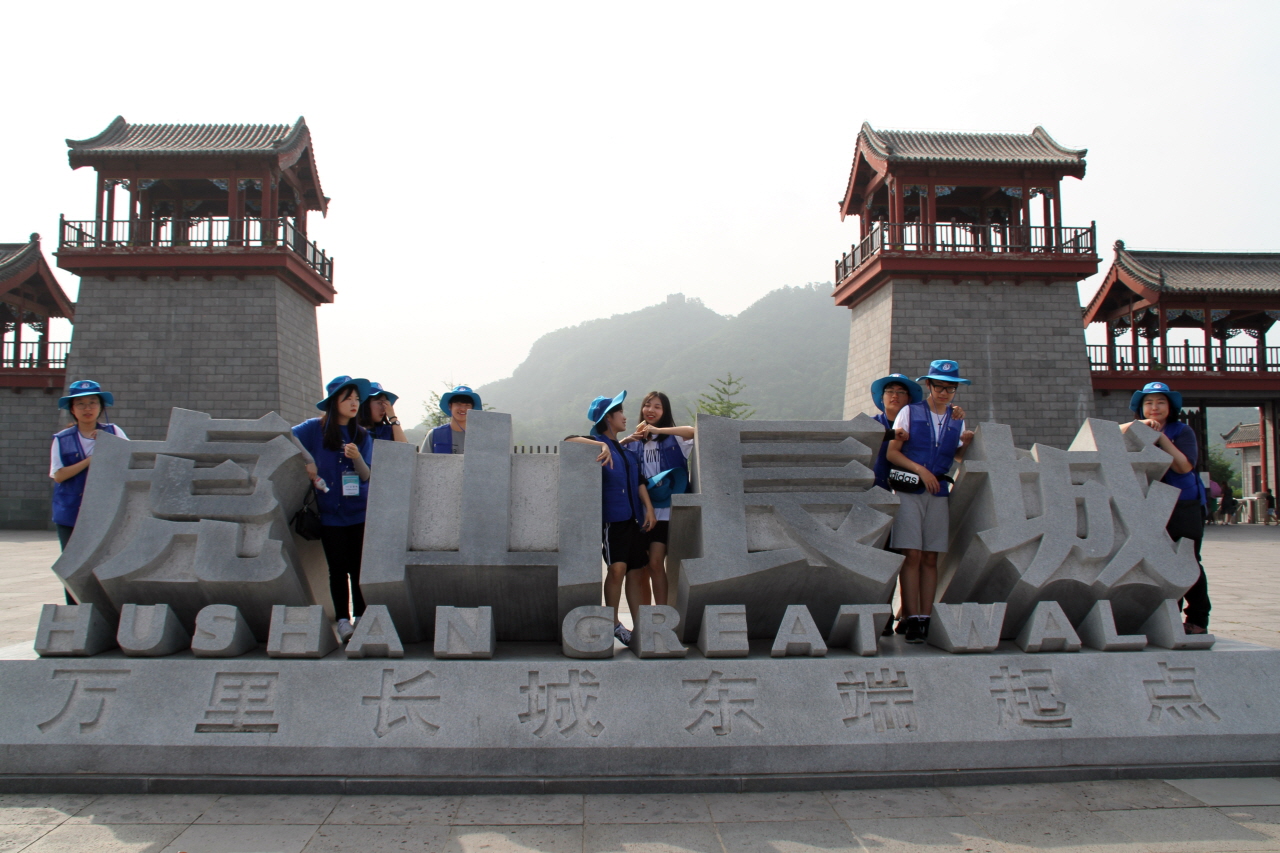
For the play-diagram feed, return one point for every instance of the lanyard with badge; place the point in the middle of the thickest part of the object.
(350, 479)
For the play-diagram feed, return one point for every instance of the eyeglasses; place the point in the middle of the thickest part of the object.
(943, 389)
(897, 392)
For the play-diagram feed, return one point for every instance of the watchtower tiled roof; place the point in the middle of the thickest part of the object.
(24, 270)
(1037, 147)
(1202, 272)
(122, 139)
(1243, 434)
(18, 256)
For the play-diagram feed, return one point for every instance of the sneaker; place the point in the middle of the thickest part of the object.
(888, 628)
(915, 629)
(1192, 628)
(924, 625)
(624, 636)
(345, 630)
(902, 625)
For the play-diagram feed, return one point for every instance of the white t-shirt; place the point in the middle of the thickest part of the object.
(651, 466)
(903, 421)
(86, 444)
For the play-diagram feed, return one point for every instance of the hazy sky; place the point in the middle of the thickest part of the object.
(500, 170)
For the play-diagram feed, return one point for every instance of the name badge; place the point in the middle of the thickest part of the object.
(351, 485)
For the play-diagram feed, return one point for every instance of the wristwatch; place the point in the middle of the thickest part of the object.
(394, 422)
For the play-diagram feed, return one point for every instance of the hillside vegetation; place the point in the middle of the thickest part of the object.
(790, 347)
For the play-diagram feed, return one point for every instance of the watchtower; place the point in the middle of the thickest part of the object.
(955, 261)
(198, 283)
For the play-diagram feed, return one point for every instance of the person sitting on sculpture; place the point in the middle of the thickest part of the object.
(627, 512)
(919, 468)
(343, 454)
(72, 452)
(1157, 405)
(451, 436)
(662, 450)
(378, 414)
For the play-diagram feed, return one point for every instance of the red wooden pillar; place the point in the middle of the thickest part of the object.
(111, 212)
(133, 209)
(1057, 213)
(234, 224)
(1208, 339)
(17, 339)
(1025, 213)
(895, 211)
(97, 214)
(1262, 446)
(42, 346)
(931, 214)
(1047, 211)
(1164, 335)
(269, 209)
(1111, 345)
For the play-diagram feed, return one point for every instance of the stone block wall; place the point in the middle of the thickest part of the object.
(28, 421)
(1021, 344)
(1113, 406)
(232, 348)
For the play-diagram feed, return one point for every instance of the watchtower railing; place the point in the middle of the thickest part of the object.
(29, 354)
(210, 233)
(967, 238)
(1184, 357)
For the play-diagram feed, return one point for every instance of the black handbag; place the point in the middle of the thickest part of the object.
(306, 521)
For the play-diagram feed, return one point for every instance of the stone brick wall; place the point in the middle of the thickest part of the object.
(27, 424)
(1022, 345)
(1113, 406)
(869, 353)
(231, 348)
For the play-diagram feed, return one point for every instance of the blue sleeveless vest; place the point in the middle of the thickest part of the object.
(68, 494)
(670, 458)
(881, 468)
(620, 488)
(920, 448)
(1188, 483)
(442, 439)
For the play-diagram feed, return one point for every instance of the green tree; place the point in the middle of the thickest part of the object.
(1222, 469)
(720, 400)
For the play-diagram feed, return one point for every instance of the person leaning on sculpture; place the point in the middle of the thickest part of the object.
(72, 453)
(378, 414)
(626, 511)
(662, 450)
(343, 452)
(450, 437)
(935, 439)
(1157, 405)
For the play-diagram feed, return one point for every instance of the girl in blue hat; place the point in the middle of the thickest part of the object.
(662, 450)
(1157, 405)
(935, 438)
(378, 414)
(72, 452)
(343, 453)
(627, 513)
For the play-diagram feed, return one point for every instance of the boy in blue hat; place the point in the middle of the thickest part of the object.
(451, 437)
(72, 453)
(935, 438)
(1157, 405)
(626, 512)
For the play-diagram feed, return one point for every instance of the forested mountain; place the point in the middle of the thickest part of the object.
(789, 347)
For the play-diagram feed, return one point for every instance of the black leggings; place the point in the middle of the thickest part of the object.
(1187, 522)
(342, 548)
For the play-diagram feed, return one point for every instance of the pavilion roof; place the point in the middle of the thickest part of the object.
(931, 146)
(27, 281)
(1242, 434)
(1202, 272)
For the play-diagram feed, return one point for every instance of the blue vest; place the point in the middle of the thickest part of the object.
(881, 468)
(1189, 483)
(620, 488)
(921, 449)
(68, 494)
(335, 510)
(442, 439)
(670, 458)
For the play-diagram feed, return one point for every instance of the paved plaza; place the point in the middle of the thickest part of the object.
(1177, 816)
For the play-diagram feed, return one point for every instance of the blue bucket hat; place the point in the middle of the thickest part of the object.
(337, 384)
(459, 391)
(914, 391)
(85, 388)
(601, 406)
(945, 370)
(1175, 399)
(375, 388)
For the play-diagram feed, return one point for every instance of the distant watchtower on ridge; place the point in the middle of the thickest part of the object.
(955, 261)
(198, 283)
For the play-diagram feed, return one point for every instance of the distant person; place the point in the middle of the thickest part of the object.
(1267, 506)
(343, 453)
(72, 453)
(451, 436)
(662, 449)
(1157, 405)
(1229, 505)
(920, 463)
(378, 414)
(1214, 505)
(627, 513)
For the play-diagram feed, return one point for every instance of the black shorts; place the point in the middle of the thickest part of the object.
(624, 542)
(657, 534)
